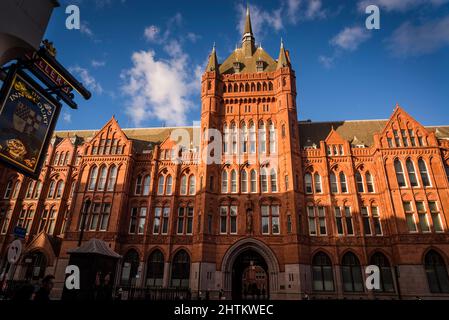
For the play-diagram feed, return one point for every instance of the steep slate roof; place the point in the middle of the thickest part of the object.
(355, 131)
(362, 131)
(248, 64)
(143, 138)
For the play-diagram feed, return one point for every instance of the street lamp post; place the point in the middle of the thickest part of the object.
(83, 220)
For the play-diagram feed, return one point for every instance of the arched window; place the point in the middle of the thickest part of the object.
(56, 160)
(411, 173)
(59, 189)
(224, 181)
(155, 269)
(16, 190)
(272, 137)
(146, 185)
(262, 138)
(369, 182)
(192, 185)
(93, 178)
(102, 178)
(273, 180)
(359, 181)
(130, 268)
(424, 173)
(244, 139)
(72, 189)
(343, 184)
(308, 183)
(160, 185)
(317, 179)
(252, 138)
(51, 189)
(351, 273)
(243, 181)
(30, 188)
(399, 173)
(62, 158)
(138, 186)
(183, 189)
(322, 274)
(8, 190)
(386, 277)
(334, 183)
(180, 270)
(253, 177)
(37, 190)
(264, 180)
(436, 271)
(168, 190)
(233, 181)
(112, 178)
(225, 139)
(234, 138)
(67, 158)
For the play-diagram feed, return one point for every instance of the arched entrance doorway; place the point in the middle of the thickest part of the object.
(236, 262)
(250, 279)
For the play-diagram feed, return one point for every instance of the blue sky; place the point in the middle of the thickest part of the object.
(142, 60)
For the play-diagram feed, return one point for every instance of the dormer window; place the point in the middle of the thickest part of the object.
(259, 65)
(237, 67)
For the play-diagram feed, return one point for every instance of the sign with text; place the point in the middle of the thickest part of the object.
(50, 72)
(27, 118)
(20, 232)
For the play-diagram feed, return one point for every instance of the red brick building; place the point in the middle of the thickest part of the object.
(307, 205)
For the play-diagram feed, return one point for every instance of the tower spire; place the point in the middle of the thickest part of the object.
(212, 65)
(248, 41)
(248, 27)
(282, 60)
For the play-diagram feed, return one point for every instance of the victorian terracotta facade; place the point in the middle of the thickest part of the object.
(299, 208)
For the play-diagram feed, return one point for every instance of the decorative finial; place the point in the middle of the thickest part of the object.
(282, 43)
(247, 8)
(49, 47)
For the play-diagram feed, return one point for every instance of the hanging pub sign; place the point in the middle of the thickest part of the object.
(28, 116)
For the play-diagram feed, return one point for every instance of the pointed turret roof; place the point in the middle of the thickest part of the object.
(282, 60)
(212, 65)
(248, 27)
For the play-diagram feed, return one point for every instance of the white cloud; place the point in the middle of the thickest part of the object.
(193, 37)
(67, 117)
(161, 89)
(326, 61)
(304, 10)
(151, 33)
(350, 38)
(292, 9)
(260, 19)
(289, 11)
(98, 63)
(415, 40)
(156, 35)
(400, 5)
(85, 29)
(87, 79)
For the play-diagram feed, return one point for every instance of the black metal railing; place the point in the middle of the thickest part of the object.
(171, 294)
